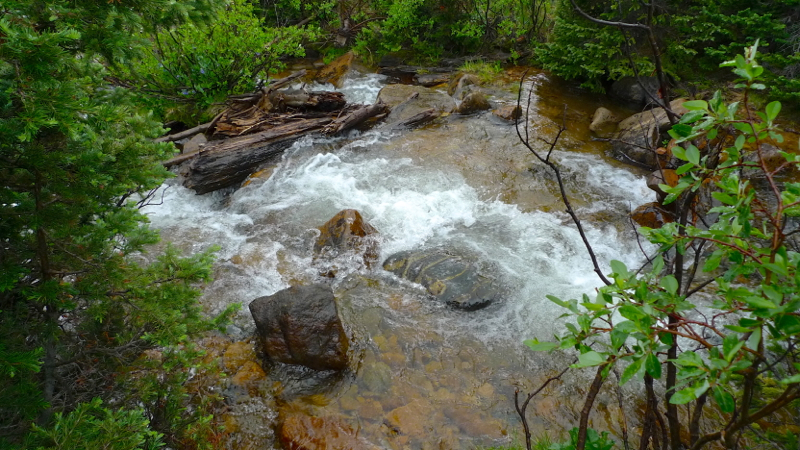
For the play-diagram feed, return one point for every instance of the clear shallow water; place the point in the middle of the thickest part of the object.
(424, 374)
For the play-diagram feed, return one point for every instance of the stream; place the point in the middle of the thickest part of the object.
(424, 375)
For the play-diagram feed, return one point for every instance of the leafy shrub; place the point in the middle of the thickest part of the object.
(194, 65)
(94, 427)
(714, 315)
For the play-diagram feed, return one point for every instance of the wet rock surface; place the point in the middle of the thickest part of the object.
(346, 234)
(301, 432)
(403, 107)
(451, 276)
(300, 325)
(637, 138)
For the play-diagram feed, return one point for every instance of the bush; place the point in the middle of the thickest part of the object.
(194, 66)
(713, 318)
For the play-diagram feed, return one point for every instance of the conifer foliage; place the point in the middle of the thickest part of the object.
(79, 298)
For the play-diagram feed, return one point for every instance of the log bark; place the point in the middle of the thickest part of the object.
(420, 118)
(355, 117)
(225, 163)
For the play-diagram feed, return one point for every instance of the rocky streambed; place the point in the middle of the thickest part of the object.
(450, 209)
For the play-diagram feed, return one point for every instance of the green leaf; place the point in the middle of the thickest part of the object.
(787, 324)
(589, 359)
(724, 399)
(693, 155)
(731, 346)
(683, 396)
(635, 368)
(681, 130)
(773, 109)
(758, 302)
(653, 366)
(693, 105)
(537, 346)
(669, 283)
(754, 340)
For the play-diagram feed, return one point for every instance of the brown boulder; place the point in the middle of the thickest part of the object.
(300, 325)
(508, 112)
(334, 72)
(652, 215)
(637, 137)
(663, 176)
(345, 234)
(302, 432)
(407, 101)
(473, 102)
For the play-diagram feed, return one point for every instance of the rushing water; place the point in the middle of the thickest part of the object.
(424, 375)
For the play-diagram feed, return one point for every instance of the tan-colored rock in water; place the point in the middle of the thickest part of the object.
(663, 176)
(652, 215)
(301, 432)
(346, 233)
(637, 138)
(334, 72)
(407, 101)
(603, 121)
(473, 102)
(250, 372)
(508, 112)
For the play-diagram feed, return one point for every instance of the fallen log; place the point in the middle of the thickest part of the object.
(224, 163)
(420, 118)
(353, 118)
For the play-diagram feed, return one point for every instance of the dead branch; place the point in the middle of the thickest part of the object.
(546, 160)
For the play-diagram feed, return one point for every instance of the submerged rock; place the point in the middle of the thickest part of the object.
(300, 325)
(407, 101)
(455, 278)
(301, 432)
(603, 121)
(474, 101)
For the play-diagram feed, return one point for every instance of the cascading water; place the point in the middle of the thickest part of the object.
(425, 375)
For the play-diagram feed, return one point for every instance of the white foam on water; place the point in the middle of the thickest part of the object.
(359, 89)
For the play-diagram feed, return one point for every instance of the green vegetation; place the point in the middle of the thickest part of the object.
(195, 65)
(692, 39)
(712, 320)
(81, 299)
(96, 332)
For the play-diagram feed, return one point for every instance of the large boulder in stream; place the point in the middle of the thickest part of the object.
(451, 276)
(300, 325)
(637, 137)
(407, 101)
(637, 93)
(347, 235)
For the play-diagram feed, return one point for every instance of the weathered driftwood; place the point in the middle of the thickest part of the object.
(353, 118)
(420, 118)
(227, 162)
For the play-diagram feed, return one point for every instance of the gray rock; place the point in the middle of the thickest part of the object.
(473, 102)
(603, 121)
(451, 276)
(638, 137)
(629, 90)
(397, 97)
(300, 325)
